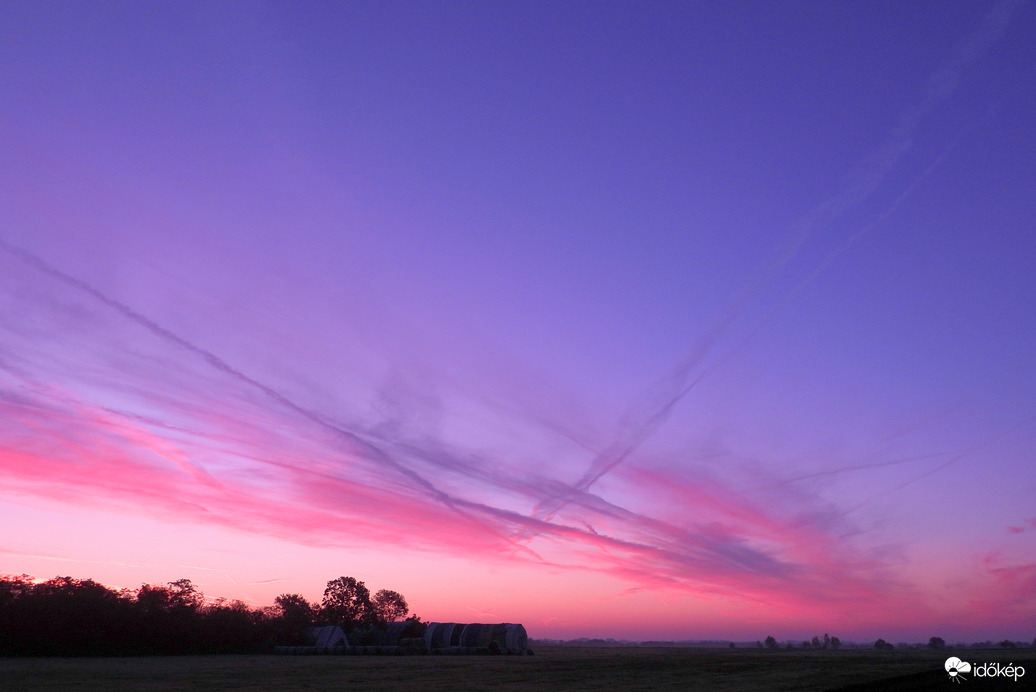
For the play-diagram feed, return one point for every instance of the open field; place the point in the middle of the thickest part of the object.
(552, 668)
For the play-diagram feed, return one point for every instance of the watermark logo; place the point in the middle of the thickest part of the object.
(957, 668)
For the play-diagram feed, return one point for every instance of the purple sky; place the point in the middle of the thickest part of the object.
(705, 319)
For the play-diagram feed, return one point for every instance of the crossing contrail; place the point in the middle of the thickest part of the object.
(874, 170)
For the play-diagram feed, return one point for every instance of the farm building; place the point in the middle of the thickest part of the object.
(391, 639)
(327, 636)
(473, 638)
(400, 638)
(322, 640)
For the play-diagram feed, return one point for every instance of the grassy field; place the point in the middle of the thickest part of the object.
(555, 668)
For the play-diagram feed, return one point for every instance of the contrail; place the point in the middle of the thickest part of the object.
(218, 363)
(876, 169)
(372, 451)
(961, 454)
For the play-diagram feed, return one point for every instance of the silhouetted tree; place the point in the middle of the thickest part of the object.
(827, 641)
(771, 643)
(936, 643)
(835, 643)
(12, 587)
(347, 602)
(230, 628)
(883, 645)
(169, 621)
(72, 616)
(815, 643)
(805, 644)
(65, 616)
(293, 615)
(295, 609)
(178, 595)
(390, 606)
(153, 599)
(1007, 644)
(183, 594)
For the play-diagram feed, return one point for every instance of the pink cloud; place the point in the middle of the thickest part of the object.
(176, 431)
(1004, 593)
(72, 452)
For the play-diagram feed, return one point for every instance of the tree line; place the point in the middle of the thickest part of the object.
(827, 642)
(833, 643)
(80, 617)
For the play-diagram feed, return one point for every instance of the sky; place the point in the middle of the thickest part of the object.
(668, 320)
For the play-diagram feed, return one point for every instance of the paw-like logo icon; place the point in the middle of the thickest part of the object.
(955, 667)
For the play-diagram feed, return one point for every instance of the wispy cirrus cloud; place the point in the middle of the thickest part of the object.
(716, 346)
(135, 415)
(154, 423)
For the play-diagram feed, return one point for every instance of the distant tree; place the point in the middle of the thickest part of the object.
(184, 594)
(390, 606)
(14, 586)
(883, 645)
(292, 614)
(347, 601)
(153, 599)
(75, 617)
(835, 643)
(805, 644)
(816, 642)
(70, 616)
(827, 641)
(936, 643)
(771, 643)
(294, 608)
(67, 616)
(171, 618)
(1007, 644)
(228, 627)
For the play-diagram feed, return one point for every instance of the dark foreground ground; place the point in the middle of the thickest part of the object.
(552, 668)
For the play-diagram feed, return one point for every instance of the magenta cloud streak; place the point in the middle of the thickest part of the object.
(218, 446)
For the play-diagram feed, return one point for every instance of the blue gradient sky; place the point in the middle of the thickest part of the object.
(705, 318)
